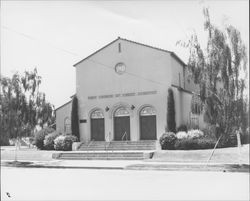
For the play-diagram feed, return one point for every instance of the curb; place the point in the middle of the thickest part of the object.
(160, 167)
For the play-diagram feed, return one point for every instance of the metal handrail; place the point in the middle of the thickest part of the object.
(107, 144)
(90, 144)
(125, 134)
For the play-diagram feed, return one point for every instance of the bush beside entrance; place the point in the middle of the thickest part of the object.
(192, 139)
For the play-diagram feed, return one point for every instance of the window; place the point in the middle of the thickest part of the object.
(147, 111)
(97, 114)
(121, 111)
(119, 47)
(67, 125)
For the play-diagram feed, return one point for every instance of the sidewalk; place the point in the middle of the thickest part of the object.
(127, 165)
(196, 160)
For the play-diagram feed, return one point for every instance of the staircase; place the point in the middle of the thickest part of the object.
(118, 145)
(103, 155)
(114, 150)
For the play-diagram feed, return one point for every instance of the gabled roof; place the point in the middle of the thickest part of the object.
(159, 49)
(63, 105)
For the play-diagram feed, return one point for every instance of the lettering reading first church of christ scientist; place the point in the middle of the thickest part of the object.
(125, 94)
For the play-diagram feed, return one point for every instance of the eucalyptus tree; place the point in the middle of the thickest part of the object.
(23, 106)
(216, 69)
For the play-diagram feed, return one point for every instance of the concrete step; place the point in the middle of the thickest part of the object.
(119, 145)
(116, 155)
(102, 158)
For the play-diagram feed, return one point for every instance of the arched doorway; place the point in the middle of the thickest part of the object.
(97, 125)
(121, 124)
(148, 123)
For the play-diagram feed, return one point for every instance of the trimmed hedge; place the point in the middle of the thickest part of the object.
(40, 136)
(49, 140)
(64, 142)
(194, 143)
(167, 140)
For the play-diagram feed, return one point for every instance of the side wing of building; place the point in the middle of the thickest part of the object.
(63, 118)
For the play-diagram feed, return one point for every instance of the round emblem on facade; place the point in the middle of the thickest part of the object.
(120, 68)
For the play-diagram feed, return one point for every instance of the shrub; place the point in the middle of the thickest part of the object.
(195, 133)
(167, 140)
(181, 135)
(194, 143)
(49, 140)
(206, 143)
(171, 112)
(182, 127)
(190, 134)
(209, 132)
(40, 136)
(64, 142)
(186, 144)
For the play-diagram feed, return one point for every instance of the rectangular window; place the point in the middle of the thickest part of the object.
(119, 47)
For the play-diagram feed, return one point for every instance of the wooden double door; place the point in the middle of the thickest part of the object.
(97, 129)
(121, 128)
(148, 127)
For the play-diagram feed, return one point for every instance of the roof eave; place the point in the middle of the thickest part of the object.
(95, 52)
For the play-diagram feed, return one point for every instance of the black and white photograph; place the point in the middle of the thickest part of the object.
(124, 100)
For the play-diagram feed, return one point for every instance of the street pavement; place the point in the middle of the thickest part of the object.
(86, 184)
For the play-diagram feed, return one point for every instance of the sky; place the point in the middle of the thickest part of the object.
(54, 35)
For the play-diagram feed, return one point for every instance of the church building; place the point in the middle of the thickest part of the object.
(122, 92)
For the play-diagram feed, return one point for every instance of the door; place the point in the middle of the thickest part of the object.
(121, 124)
(148, 124)
(97, 129)
(97, 126)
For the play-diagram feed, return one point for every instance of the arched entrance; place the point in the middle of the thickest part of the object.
(121, 124)
(97, 125)
(148, 123)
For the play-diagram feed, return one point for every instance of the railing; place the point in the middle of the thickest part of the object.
(107, 144)
(125, 134)
(91, 142)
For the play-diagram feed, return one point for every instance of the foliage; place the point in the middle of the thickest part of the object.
(4, 140)
(75, 118)
(209, 132)
(216, 70)
(246, 137)
(182, 127)
(194, 143)
(64, 142)
(23, 106)
(193, 133)
(171, 125)
(196, 105)
(49, 140)
(181, 135)
(167, 140)
(40, 136)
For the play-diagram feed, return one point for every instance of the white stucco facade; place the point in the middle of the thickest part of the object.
(141, 82)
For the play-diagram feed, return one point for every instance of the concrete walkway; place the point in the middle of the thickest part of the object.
(162, 160)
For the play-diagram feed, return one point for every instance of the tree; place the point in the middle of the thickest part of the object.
(171, 112)
(75, 118)
(216, 69)
(23, 106)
